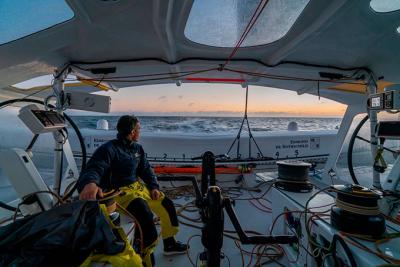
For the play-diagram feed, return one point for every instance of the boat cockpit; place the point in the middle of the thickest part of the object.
(291, 205)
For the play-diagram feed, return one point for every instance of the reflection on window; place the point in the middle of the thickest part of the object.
(385, 5)
(37, 81)
(19, 18)
(221, 22)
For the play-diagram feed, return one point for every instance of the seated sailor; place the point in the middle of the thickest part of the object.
(118, 164)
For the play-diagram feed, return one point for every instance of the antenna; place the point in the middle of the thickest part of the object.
(251, 138)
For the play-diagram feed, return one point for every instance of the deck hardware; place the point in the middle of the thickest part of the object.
(211, 205)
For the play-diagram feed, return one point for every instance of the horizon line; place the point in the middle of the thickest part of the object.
(207, 115)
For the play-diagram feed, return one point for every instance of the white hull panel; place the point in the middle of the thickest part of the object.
(283, 144)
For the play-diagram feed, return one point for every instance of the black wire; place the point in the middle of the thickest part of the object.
(349, 254)
(102, 79)
(291, 78)
(184, 74)
(7, 207)
(141, 75)
(384, 148)
(83, 151)
(229, 261)
(61, 170)
(305, 64)
(11, 101)
(62, 71)
(33, 141)
(111, 79)
(276, 77)
(197, 258)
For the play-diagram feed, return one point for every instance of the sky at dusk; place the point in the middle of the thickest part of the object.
(213, 100)
(220, 99)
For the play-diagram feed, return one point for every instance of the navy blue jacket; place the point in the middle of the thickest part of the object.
(117, 163)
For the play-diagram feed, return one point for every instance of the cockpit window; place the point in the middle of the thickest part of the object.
(221, 22)
(19, 18)
(385, 5)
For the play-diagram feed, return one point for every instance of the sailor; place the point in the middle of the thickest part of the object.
(118, 164)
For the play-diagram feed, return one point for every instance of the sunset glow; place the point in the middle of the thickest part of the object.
(220, 99)
(213, 99)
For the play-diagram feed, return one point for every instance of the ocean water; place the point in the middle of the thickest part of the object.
(179, 125)
(213, 125)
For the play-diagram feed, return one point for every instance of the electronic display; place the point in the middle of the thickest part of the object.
(389, 100)
(49, 118)
(375, 102)
(41, 121)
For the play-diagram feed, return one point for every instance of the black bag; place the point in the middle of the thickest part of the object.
(62, 236)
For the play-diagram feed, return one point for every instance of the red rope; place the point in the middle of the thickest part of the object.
(252, 24)
(246, 31)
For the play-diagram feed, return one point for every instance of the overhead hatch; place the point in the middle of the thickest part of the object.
(383, 6)
(221, 22)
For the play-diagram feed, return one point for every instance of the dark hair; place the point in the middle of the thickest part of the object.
(126, 124)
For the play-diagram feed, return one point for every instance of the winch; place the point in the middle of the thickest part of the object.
(356, 211)
(293, 176)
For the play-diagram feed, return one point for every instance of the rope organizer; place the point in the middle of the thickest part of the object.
(357, 209)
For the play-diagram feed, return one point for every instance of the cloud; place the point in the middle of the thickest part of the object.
(162, 98)
(191, 104)
(180, 96)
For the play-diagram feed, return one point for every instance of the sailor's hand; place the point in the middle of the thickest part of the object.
(155, 194)
(90, 192)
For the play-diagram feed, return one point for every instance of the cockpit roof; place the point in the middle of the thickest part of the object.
(331, 48)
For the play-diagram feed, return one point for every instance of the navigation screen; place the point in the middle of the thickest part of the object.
(376, 102)
(49, 118)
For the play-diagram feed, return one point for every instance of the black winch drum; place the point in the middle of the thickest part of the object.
(293, 176)
(356, 211)
(293, 171)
